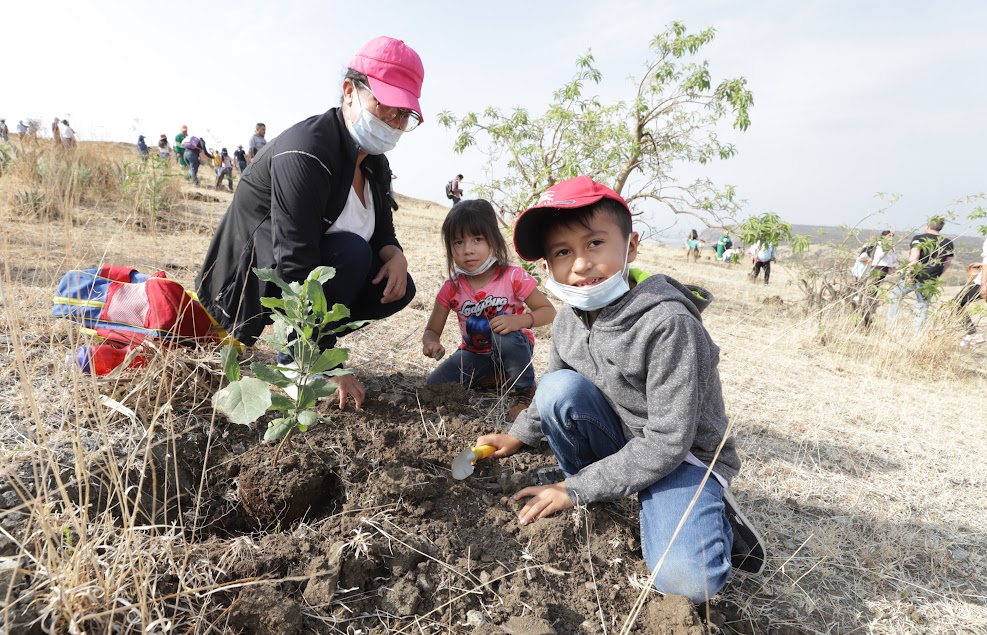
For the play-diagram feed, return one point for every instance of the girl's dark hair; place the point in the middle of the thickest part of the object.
(474, 217)
(693, 235)
(356, 77)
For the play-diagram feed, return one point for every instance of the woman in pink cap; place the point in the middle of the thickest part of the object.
(317, 195)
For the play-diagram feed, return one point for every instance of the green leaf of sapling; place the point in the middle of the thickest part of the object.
(330, 359)
(317, 296)
(243, 401)
(270, 375)
(337, 313)
(349, 326)
(231, 362)
(270, 275)
(272, 303)
(307, 419)
(281, 402)
(278, 429)
(320, 388)
(322, 275)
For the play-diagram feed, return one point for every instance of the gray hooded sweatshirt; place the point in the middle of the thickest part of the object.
(654, 362)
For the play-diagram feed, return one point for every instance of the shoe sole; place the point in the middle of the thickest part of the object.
(749, 554)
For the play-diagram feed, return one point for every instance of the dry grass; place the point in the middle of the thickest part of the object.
(861, 464)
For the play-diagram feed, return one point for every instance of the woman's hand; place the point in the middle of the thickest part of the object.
(395, 271)
(506, 444)
(545, 501)
(349, 387)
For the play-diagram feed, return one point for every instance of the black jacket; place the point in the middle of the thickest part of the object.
(288, 197)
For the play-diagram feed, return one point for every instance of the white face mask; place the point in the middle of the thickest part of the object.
(372, 135)
(596, 296)
(491, 261)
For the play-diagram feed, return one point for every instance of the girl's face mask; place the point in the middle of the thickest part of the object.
(491, 261)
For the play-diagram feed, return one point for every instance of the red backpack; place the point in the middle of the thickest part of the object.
(123, 308)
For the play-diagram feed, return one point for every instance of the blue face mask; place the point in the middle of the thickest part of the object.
(372, 135)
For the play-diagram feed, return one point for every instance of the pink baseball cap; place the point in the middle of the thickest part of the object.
(395, 72)
(565, 195)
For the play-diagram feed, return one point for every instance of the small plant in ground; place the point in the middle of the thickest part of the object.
(301, 310)
(151, 187)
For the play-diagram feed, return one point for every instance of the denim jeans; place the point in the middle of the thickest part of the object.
(922, 301)
(192, 159)
(510, 357)
(356, 265)
(582, 428)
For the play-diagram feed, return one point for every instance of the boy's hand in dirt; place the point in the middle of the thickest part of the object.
(506, 444)
(545, 501)
(349, 387)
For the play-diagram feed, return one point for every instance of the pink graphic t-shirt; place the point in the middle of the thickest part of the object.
(503, 295)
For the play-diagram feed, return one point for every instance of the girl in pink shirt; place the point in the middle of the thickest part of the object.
(489, 297)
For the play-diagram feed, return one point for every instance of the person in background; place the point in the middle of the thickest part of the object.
(885, 259)
(256, 142)
(192, 150)
(164, 151)
(316, 195)
(179, 149)
(692, 245)
(142, 147)
(68, 135)
(56, 134)
(723, 244)
(4, 131)
(457, 189)
(975, 289)
(930, 257)
(240, 157)
(21, 131)
(225, 169)
(763, 256)
(217, 161)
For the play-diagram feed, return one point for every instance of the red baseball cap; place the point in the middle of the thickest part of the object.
(395, 72)
(563, 196)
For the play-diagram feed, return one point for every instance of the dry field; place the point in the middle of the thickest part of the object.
(860, 456)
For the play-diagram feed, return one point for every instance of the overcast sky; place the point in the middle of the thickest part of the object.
(851, 98)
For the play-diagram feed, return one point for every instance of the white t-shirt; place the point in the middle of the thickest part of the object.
(355, 217)
(885, 258)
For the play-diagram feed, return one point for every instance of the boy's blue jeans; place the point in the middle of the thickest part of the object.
(510, 357)
(582, 428)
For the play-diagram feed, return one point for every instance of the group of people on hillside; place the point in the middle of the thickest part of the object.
(190, 152)
(62, 133)
(930, 256)
(636, 409)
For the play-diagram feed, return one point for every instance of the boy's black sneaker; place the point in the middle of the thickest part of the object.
(748, 548)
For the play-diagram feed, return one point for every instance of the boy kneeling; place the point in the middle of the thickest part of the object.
(631, 402)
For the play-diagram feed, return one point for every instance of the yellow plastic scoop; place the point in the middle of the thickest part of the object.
(462, 465)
